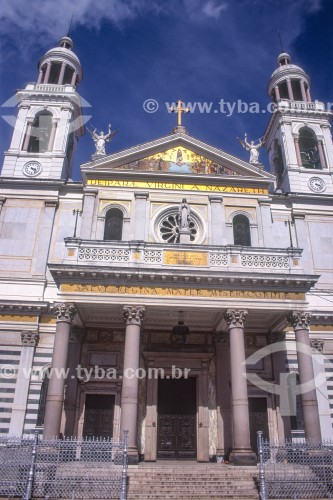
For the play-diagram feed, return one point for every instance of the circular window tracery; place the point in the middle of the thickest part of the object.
(167, 227)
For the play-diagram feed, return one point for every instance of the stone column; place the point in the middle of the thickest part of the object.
(322, 154)
(40, 76)
(298, 152)
(302, 84)
(223, 396)
(73, 81)
(308, 94)
(64, 314)
(47, 72)
(77, 335)
(140, 215)
(88, 213)
(62, 73)
(29, 342)
(290, 90)
(52, 136)
(241, 452)
(277, 93)
(27, 136)
(217, 220)
(279, 371)
(300, 321)
(133, 315)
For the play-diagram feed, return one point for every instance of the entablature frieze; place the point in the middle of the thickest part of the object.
(181, 283)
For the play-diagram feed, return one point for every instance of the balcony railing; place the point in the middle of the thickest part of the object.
(137, 254)
(285, 104)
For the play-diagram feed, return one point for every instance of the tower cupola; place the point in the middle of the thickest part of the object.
(60, 66)
(289, 81)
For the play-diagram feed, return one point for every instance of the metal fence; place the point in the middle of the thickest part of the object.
(63, 468)
(295, 470)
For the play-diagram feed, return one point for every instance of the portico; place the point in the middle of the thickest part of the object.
(226, 325)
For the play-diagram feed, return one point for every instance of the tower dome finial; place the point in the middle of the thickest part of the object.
(66, 42)
(60, 65)
(289, 82)
(284, 59)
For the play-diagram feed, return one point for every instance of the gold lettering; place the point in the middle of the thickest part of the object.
(175, 186)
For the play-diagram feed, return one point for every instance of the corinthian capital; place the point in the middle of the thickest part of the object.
(64, 312)
(299, 320)
(235, 318)
(133, 314)
(29, 338)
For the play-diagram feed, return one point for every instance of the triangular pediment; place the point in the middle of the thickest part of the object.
(176, 154)
(177, 160)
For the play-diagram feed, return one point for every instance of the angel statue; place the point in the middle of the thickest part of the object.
(253, 148)
(101, 139)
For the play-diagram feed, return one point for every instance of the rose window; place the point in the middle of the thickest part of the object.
(169, 228)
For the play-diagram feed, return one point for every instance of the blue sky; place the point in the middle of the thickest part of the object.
(193, 50)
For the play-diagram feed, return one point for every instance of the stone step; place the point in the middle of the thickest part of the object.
(191, 481)
(215, 496)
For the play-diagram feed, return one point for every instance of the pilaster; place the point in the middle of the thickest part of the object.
(217, 220)
(88, 213)
(140, 215)
(43, 239)
(223, 395)
(29, 341)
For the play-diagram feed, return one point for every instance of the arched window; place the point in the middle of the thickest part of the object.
(42, 398)
(308, 146)
(113, 228)
(40, 133)
(241, 227)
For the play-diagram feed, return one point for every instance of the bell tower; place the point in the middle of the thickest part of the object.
(49, 121)
(298, 136)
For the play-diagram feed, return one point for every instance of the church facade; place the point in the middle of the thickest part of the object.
(177, 292)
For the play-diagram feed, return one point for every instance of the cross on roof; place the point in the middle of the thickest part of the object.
(179, 109)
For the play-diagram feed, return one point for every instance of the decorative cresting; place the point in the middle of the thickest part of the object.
(133, 314)
(77, 334)
(300, 320)
(64, 312)
(29, 338)
(235, 318)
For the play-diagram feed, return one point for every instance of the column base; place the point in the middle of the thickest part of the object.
(243, 457)
(133, 456)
